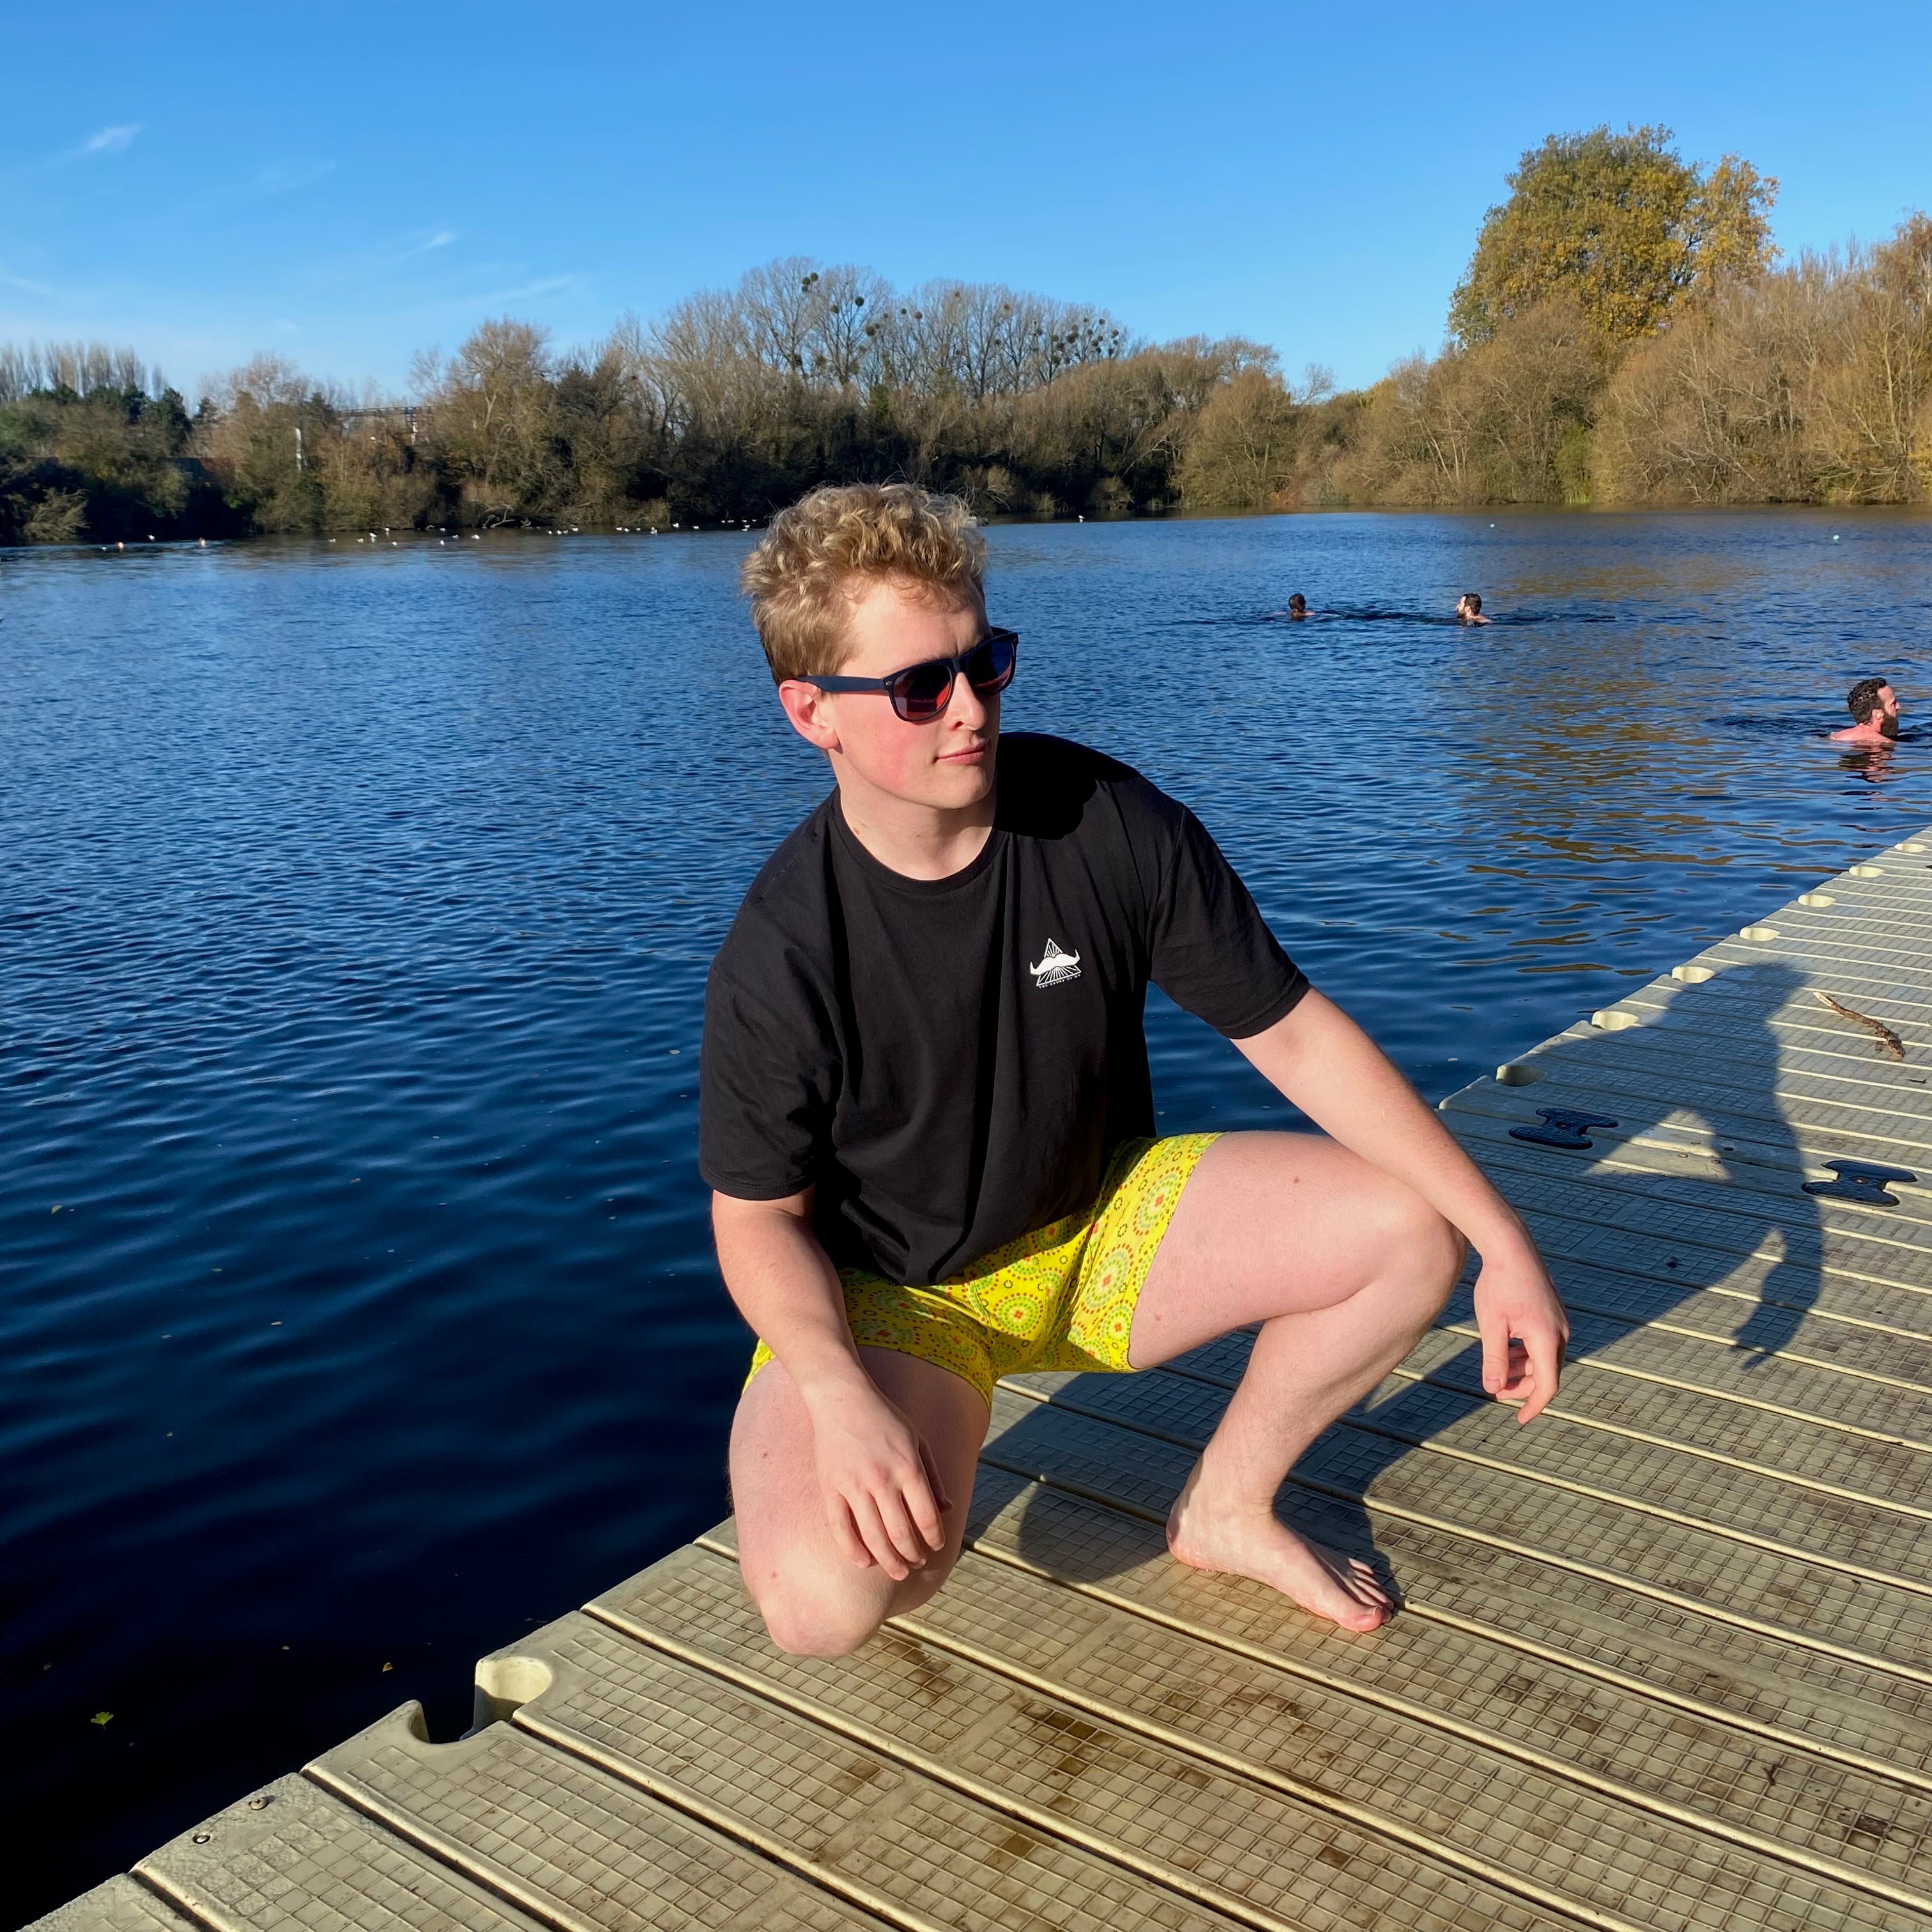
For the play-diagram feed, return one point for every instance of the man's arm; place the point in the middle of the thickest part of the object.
(1320, 1060)
(879, 1481)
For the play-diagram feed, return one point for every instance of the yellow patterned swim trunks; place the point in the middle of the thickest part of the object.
(1062, 1297)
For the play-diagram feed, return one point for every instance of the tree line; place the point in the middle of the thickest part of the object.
(722, 409)
(1623, 333)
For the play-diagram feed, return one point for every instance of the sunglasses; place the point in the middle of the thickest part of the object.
(921, 691)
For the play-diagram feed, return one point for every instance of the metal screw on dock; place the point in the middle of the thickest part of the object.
(1861, 1181)
(1565, 1128)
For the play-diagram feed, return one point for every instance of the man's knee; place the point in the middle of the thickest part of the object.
(1428, 1249)
(814, 1615)
(803, 1626)
(1443, 1252)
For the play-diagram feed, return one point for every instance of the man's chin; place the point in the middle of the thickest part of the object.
(971, 783)
(961, 782)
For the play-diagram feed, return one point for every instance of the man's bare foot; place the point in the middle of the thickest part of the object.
(1253, 1543)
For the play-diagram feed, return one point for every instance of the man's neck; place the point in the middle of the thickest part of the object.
(918, 841)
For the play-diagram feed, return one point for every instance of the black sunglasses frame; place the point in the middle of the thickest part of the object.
(894, 687)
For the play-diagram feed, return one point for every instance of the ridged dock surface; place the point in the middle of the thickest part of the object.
(1665, 1659)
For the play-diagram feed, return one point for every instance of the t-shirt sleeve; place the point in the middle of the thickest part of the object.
(1212, 952)
(764, 1102)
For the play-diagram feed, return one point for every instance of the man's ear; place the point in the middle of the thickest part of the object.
(810, 712)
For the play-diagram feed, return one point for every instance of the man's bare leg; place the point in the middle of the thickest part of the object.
(815, 1600)
(1345, 1267)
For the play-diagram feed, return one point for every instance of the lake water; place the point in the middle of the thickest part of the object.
(355, 905)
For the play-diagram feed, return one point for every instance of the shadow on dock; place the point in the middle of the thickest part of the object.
(1748, 1229)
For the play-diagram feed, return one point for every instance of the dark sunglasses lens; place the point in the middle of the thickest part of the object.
(990, 668)
(920, 692)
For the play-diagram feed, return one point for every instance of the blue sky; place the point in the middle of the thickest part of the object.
(348, 184)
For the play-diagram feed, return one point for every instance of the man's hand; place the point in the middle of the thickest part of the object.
(1524, 1331)
(1322, 1061)
(879, 1482)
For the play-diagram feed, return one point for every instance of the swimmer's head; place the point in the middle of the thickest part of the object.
(1872, 700)
(1471, 600)
(1298, 605)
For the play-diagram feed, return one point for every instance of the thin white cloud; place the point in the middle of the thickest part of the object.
(548, 286)
(102, 145)
(32, 288)
(460, 304)
(411, 246)
(286, 180)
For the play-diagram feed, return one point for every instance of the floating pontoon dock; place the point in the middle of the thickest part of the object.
(1665, 1661)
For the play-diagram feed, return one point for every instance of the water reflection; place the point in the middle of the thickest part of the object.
(1874, 763)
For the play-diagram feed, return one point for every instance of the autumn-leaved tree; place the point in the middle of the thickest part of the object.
(491, 414)
(1241, 452)
(253, 416)
(1621, 223)
(1813, 384)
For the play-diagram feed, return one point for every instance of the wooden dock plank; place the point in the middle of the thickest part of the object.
(895, 1841)
(1757, 1067)
(1782, 1383)
(121, 1905)
(1698, 1420)
(290, 1855)
(1333, 1717)
(1724, 1316)
(1632, 1216)
(1176, 1817)
(1648, 1136)
(1595, 1632)
(1741, 969)
(1095, 1456)
(579, 1850)
(1748, 1006)
(1664, 1663)
(1812, 1452)
(1766, 1188)
(1786, 1589)
(1481, 1441)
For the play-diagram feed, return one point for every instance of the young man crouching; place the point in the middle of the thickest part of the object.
(928, 1121)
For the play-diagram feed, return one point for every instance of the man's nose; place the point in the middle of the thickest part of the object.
(966, 706)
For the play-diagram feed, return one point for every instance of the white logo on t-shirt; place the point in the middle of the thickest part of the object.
(1055, 966)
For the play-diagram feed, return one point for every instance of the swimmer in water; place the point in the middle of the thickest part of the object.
(1874, 704)
(1298, 605)
(1469, 609)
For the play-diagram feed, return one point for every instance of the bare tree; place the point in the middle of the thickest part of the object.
(490, 411)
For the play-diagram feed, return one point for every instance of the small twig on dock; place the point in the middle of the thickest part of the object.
(1888, 1042)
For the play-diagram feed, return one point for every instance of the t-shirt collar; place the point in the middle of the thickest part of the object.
(848, 844)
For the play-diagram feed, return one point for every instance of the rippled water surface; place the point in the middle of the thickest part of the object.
(355, 905)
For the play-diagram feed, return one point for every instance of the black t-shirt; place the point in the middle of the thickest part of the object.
(950, 1062)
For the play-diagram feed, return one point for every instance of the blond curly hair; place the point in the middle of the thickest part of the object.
(819, 557)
